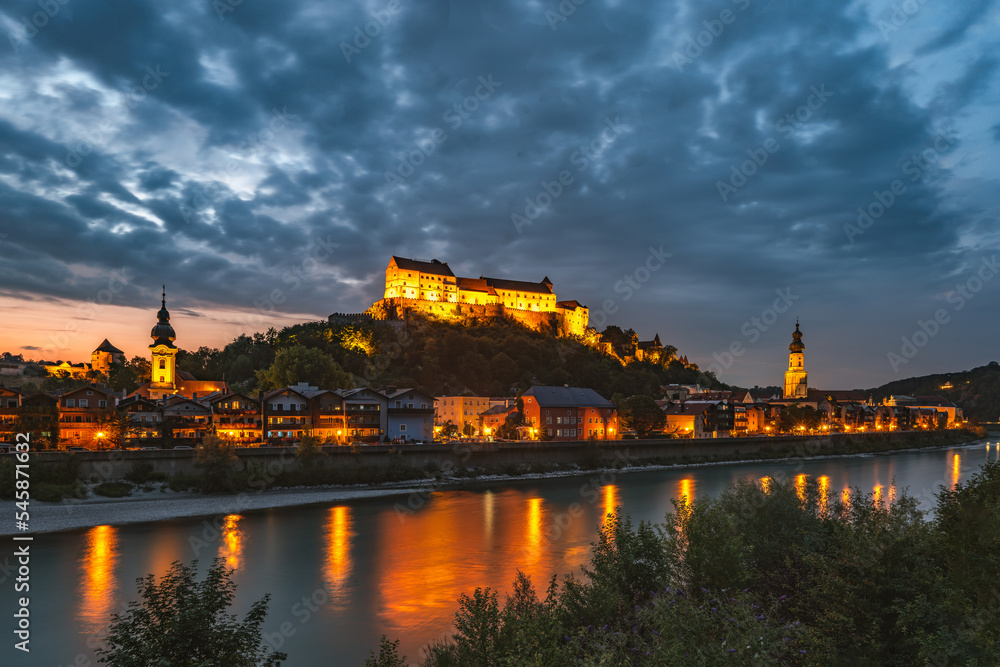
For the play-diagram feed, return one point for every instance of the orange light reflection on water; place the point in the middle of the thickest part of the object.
(337, 556)
(98, 585)
(232, 541)
(610, 502)
(765, 483)
(685, 492)
(956, 470)
(800, 487)
(824, 491)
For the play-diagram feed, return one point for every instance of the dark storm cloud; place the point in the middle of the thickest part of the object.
(257, 142)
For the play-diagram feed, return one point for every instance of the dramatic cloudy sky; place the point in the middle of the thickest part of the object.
(239, 150)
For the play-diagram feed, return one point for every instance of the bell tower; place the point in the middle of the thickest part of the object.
(162, 373)
(796, 378)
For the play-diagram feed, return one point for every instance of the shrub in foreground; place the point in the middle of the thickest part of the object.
(762, 575)
(183, 622)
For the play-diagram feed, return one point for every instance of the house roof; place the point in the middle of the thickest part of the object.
(396, 393)
(433, 267)
(106, 346)
(498, 410)
(222, 397)
(568, 397)
(687, 409)
(837, 395)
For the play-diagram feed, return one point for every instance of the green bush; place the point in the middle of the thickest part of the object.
(113, 489)
(53, 493)
(185, 482)
(143, 472)
(763, 577)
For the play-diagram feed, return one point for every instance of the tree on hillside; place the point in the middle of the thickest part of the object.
(127, 375)
(303, 364)
(184, 622)
(641, 414)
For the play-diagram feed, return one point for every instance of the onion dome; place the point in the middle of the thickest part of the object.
(163, 333)
(797, 344)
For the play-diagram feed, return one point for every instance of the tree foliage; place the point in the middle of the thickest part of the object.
(182, 622)
(763, 575)
(642, 415)
(304, 364)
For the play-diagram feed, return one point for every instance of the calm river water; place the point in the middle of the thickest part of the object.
(341, 575)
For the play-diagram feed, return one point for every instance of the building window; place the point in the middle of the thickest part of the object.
(163, 363)
(83, 402)
(70, 402)
(402, 428)
(548, 420)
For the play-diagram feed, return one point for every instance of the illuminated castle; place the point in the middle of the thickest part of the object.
(430, 288)
(796, 378)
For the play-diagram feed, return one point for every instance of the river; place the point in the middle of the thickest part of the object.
(342, 574)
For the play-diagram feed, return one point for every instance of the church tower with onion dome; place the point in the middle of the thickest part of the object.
(796, 378)
(163, 375)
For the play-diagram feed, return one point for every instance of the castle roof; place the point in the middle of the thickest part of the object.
(106, 346)
(518, 285)
(433, 267)
(570, 305)
(475, 285)
(650, 344)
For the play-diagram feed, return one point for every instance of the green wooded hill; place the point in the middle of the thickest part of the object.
(486, 359)
(977, 391)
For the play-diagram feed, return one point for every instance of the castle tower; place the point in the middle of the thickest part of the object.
(105, 355)
(162, 373)
(796, 378)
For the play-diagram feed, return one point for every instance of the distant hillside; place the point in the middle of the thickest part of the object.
(977, 391)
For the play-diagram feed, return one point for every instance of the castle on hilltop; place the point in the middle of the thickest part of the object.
(431, 289)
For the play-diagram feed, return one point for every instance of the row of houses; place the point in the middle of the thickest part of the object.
(80, 417)
(696, 413)
(549, 413)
